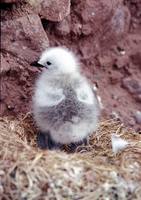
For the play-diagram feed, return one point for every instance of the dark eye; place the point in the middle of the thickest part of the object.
(48, 63)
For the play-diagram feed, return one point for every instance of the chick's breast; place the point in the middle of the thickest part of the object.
(63, 101)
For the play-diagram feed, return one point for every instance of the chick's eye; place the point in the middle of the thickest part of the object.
(48, 63)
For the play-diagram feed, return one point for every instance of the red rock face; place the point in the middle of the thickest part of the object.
(22, 41)
(53, 10)
(107, 21)
(97, 31)
(133, 87)
(135, 10)
(24, 37)
(9, 1)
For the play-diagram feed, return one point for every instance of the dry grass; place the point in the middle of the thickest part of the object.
(92, 173)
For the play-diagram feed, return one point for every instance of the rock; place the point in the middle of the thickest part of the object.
(138, 117)
(87, 29)
(131, 121)
(63, 27)
(135, 10)
(4, 66)
(136, 59)
(132, 85)
(24, 37)
(121, 62)
(121, 51)
(115, 77)
(22, 40)
(9, 1)
(77, 29)
(138, 97)
(119, 19)
(17, 80)
(53, 10)
(107, 21)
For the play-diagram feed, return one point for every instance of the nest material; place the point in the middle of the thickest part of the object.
(92, 173)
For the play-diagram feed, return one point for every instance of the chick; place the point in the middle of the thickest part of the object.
(65, 107)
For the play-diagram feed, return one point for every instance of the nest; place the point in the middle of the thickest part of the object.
(93, 172)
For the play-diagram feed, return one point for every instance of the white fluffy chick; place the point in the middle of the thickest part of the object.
(65, 107)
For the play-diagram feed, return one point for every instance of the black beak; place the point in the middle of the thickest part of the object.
(36, 64)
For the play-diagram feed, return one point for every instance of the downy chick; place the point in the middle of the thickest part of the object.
(65, 107)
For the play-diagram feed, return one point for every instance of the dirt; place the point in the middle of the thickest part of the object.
(110, 55)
